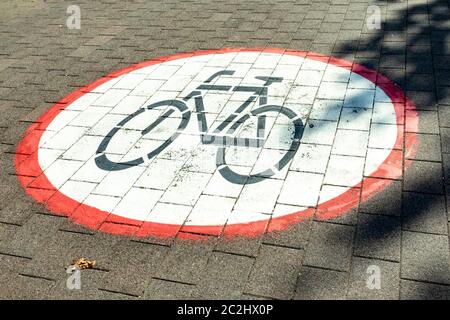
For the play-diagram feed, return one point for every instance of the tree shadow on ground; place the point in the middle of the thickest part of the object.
(413, 48)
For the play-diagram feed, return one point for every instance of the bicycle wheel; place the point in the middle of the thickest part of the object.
(237, 178)
(102, 160)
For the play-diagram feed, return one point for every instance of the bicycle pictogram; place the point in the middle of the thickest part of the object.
(223, 136)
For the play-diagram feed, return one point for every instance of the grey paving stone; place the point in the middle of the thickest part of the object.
(248, 246)
(445, 138)
(428, 122)
(64, 247)
(413, 290)
(429, 147)
(424, 100)
(27, 288)
(443, 95)
(425, 257)
(423, 176)
(361, 286)
(186, 260)
(224, 277)
(444, 115)
(7, 231)
(275, 272)
(295, 236)
(378, 237)
(34, 234)
(387, 202)
(424, 213)
(131, 269)
(167, 290)
(417, 81)
(316, 283)
(90, 280)
(330, 246)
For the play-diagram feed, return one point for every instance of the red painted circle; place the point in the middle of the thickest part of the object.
(28, 168)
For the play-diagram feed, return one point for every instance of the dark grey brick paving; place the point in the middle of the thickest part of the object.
(41, 61)
(429, 147)
(428, 122)
(425, 257)
(445, 136)
(413, 290)
(275, 272)
(389, 280)
(167, 290)
(378, 237)
(388, 203)
(330, 246)
(296, 236)
(434, 221)
(333, 284)
(186, 261)
(225, 277)
(424, 176)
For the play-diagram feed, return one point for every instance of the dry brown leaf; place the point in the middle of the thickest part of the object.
(83, 263)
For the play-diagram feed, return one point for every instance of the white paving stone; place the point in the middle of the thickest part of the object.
(350, 142)
(111, 98)
(321, 132)
(211, 210)
(159, 174)
(118, 183)
(137, 203)
(344, 170)
(311, 158)
(355, 119)
(359, 98)
(382, 136)
(301, 189)
(186, 188)
(259, 197)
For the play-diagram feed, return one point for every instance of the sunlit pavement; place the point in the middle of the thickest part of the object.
(225, 149)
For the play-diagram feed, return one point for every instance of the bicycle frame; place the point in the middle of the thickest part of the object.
(215, 138)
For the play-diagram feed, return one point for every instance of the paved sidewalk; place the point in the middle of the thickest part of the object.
(402, 230)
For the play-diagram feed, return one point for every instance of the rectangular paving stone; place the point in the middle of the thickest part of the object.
(64, 247)
(186, 260)
(422, 175)
(378, 237)
(445, 138)
(159, 289)
(224, 277)
(387, 202)
(317, 283)
(36, 232)
(413, 290)
(330, 246)
(429, 147)
(295, 235)
(133, 267)
(27, 288)
(428, 122)
(424, 213)
(425, 257)
(444, 115)
(360, 281)
(443, 95)
(275, 272)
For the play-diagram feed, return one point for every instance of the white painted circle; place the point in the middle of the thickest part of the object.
(350, 128)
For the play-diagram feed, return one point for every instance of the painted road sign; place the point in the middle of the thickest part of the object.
(233, 141)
